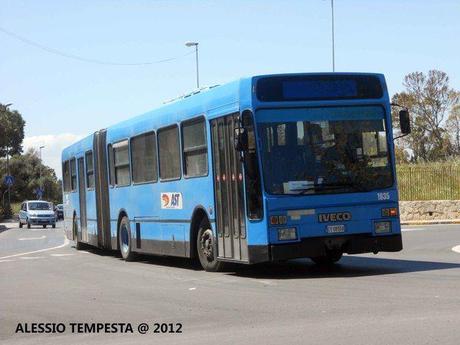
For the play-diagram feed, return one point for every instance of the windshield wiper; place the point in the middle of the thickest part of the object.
(331, 186)
(346, 184)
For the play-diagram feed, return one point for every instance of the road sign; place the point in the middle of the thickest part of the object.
(38, 192)
(9, 180)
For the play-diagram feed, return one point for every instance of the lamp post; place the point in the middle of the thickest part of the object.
(7, 162)
(195, 44)
(333, 48)
(40, 170)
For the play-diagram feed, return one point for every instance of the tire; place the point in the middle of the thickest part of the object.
(78, 244)
(44, 226)
(28, 225)
(125, 241)
(20, 225)
(53, 226)
(331, 257)
(207, 249)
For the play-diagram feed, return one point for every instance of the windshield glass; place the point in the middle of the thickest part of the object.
(34, 206)
(324, 150)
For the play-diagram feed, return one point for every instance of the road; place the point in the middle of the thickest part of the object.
(411, 297)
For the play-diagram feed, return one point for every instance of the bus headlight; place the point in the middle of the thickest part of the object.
(382, 227)
(285, 234)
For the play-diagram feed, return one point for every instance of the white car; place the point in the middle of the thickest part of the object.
(37, 212)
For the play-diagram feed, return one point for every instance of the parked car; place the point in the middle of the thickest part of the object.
(37, 212)
(59, 211)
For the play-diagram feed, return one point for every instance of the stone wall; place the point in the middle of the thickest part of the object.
(429, 210)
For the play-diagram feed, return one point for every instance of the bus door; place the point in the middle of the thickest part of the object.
(102, 190)
(82, 196)
(228, 186)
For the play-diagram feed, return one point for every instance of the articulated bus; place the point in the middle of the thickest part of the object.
(266, 168)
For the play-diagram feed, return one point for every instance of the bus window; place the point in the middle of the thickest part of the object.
(144, 158)
(111, 167)
(195, 152)
(73, 174)
(168, 147)
(121, 163)
(66, 176)
(252, 173)
(89, 169)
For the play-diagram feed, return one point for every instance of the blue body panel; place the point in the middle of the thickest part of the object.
(142, 202)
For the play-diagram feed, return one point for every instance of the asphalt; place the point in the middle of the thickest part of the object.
(410, 297)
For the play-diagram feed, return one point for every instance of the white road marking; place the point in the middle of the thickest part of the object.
(265, 282)
(31, 257)
(61, 254)
(191, 289)
(413, 229)
(31, 238)
(456, 249)
(66, 242)
(7, 260)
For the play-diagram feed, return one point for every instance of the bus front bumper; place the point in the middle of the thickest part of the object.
(317, 246)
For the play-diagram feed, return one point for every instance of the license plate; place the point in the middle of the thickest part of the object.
(334, 229)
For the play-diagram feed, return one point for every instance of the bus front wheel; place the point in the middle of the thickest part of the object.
(124, 240)
(331, 257)
(207, 249)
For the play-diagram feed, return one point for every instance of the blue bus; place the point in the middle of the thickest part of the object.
(265, 168)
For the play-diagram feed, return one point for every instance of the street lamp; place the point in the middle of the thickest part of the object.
(7, 162)
(195, 44)
(40, 170)
(333, 48)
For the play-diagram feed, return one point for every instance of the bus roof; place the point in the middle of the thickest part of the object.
(213, 101)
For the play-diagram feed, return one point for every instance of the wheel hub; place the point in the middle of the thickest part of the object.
(207, 244)
(124, 239)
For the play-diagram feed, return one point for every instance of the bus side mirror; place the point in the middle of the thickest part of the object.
(404, 121)
(241, 139)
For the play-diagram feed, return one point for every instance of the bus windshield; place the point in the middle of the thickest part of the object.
(324, 150)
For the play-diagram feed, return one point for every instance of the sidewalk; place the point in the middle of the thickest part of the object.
(430, 222)
(8, 224)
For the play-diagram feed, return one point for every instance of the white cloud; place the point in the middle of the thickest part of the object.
(54, 144)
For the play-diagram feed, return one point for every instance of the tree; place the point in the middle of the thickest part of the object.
(26, 171)
(453, 126)
(429, 99)
(11, 131)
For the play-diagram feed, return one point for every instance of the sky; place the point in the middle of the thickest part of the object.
(63, 99)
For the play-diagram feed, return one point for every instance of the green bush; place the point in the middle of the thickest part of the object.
(6, 212)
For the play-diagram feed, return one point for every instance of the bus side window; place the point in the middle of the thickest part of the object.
(195, 151)
(66, 176)
(73, 175)
(121, 163)
(252, 173)
(89, 170)
(144, 158)
(110, 165)
(169, 154)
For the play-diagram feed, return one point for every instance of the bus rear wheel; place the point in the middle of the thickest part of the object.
(207, 249)
(331, 257)
(78, 244)
(124, 240)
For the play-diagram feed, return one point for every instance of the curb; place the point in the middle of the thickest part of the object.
(429, 222)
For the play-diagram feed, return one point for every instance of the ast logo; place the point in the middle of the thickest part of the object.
(334, 217)
(171, 201)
